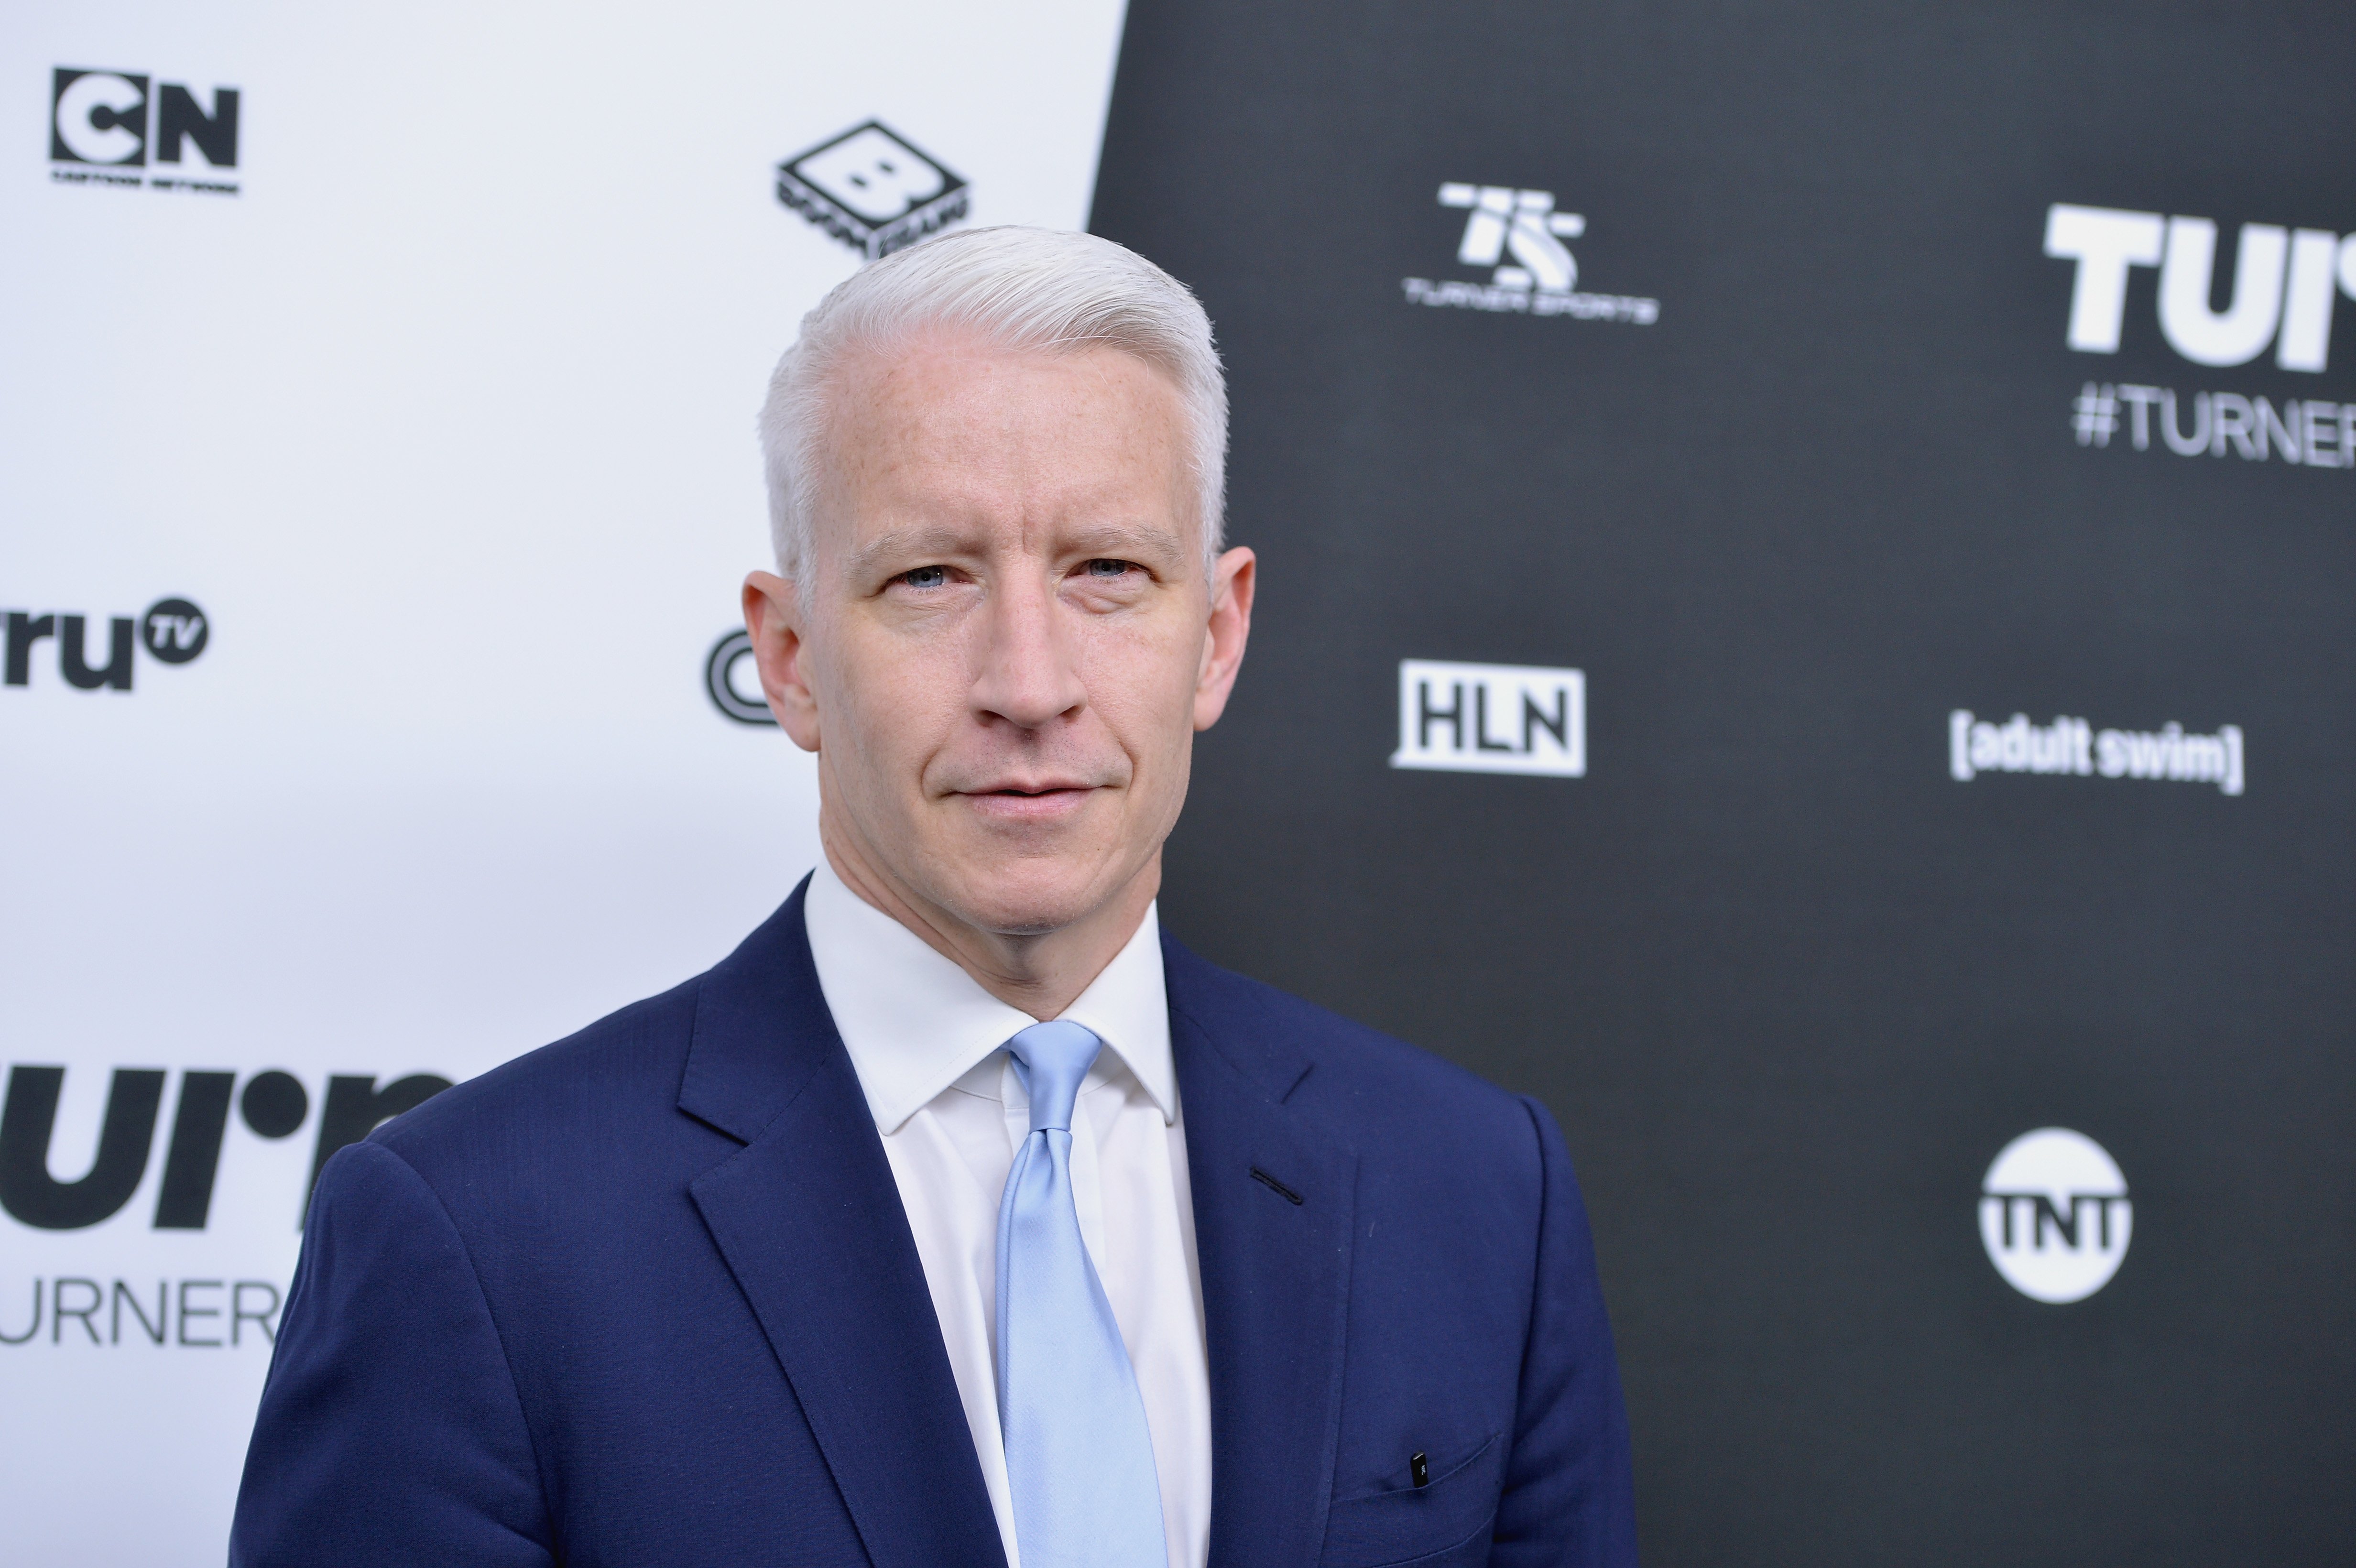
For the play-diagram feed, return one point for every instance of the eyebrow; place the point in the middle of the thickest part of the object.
(924, 539)
(1152, 545)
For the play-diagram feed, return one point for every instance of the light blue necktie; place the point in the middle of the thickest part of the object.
(1079, 1457)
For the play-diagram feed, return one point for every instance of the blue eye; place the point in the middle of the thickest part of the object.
(926, 577)
(1103, 567)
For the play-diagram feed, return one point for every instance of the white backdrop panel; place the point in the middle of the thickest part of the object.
(445, 420)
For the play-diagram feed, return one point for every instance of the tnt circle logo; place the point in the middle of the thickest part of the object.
(872, 189)
(2054, 1215)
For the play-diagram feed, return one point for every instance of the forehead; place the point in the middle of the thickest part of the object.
(951, 427)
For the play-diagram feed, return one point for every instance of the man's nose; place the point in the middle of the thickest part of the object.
(1028, 675)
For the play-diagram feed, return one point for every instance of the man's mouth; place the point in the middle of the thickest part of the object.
(1030, 800)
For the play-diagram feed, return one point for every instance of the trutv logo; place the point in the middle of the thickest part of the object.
(104, 123)
(2285, 282)
(273, 1105)
(173, 631)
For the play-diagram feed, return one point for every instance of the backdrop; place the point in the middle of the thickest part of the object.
(1805, 556)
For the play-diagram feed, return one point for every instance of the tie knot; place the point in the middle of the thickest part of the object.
(1053, 1058)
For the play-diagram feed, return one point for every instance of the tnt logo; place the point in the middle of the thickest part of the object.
(102, 121)
(1492, 719)
(2285, 282)
(2054, 1215)
(873, 190)
(173, 631)
(1524, 223)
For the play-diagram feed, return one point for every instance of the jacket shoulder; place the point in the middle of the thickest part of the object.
(633, 1057)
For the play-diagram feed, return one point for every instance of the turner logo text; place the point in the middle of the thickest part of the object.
(2285, 282)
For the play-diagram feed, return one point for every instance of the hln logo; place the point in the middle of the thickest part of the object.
(110, 120)
(2054, 1215)
(2285, 282)
(1492, 719)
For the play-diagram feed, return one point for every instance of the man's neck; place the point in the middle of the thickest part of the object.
(1041, 975)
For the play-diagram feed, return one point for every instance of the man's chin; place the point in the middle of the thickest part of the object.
(1028, 896)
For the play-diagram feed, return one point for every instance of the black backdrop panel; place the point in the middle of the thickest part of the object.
(1788, 983)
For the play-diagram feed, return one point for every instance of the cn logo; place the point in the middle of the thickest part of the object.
(1492, 719)
(1523, 223)
(2285, 282)
(173, 631)
(2054, 1215)
(873, 190)
(111, 118)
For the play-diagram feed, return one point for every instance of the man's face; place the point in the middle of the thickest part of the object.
(1005, 640)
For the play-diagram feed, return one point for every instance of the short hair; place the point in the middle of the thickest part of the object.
(1019, 288)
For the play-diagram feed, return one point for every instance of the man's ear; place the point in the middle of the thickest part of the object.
(773, 614)
(1232, 581)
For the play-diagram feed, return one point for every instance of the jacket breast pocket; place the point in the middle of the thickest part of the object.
(1440, 1524)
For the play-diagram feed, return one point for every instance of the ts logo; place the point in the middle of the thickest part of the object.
(2285, 284)
(1523, 222)
(111, 117)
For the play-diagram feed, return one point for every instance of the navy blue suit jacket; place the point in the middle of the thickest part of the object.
(649, 1296)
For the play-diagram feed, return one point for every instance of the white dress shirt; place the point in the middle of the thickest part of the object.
(929, 1045)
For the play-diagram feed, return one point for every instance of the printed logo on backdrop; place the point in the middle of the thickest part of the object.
(172, 631)
(2286, 284)
(1518, 238)
(273, 1105)
(872, 189)
(2073, 748)
(1492, 719)
(126, 129)
(733, 682)
(2054, 1215)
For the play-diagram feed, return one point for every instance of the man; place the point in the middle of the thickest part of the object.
(960, 1217)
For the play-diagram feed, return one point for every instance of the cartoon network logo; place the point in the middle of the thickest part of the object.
(2054, 1215)
(2072, 746)
(2285, 282)
(872, 189)
(1518, 237)
(273, 1105)
(1492, 719)
(104, 123)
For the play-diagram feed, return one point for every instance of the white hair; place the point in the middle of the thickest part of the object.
(1041, 289)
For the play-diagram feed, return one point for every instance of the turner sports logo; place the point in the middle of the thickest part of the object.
(105, 123)
(872, 189)
(273, 1105)
(2054, 1215)
(1518, 236)
(2286, 285)
(173, 631)
(2074, 747)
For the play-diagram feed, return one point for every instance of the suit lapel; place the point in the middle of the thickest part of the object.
(1273, 1194)
(810, 1220)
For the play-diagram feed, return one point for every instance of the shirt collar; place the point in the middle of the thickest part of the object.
(914, 1023)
